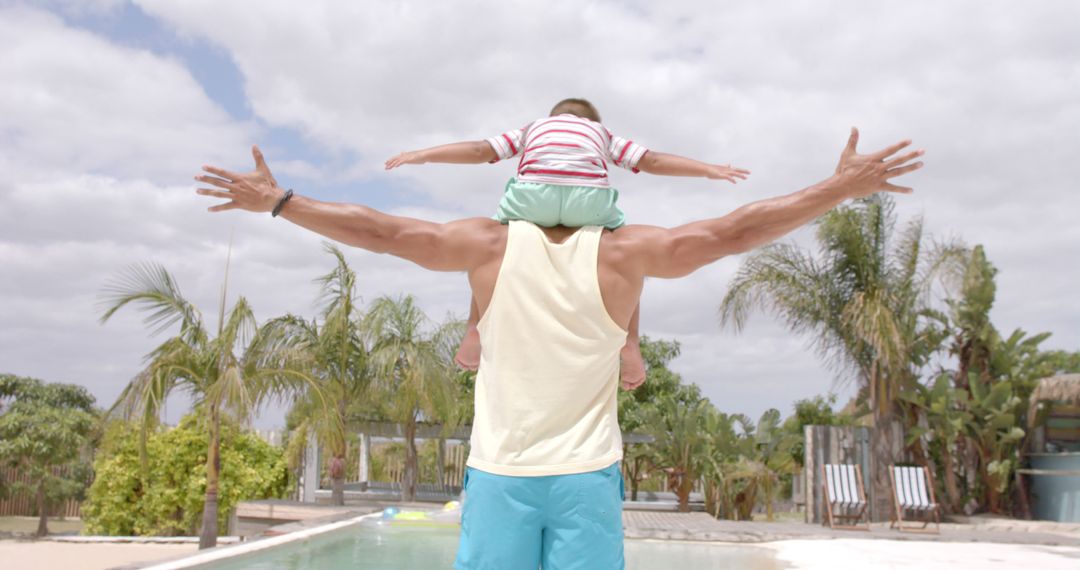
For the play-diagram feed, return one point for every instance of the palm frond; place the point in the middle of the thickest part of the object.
(150, 286)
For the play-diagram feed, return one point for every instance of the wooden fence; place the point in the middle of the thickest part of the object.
(453, 470)
(23, 503)
(852, 445)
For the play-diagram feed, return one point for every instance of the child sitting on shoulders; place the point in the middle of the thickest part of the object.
(562, 180)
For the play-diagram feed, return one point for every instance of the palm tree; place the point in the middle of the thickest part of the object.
(209, 368)
(722, 451)
(680, 442)
(414, 373)
(339, 366)
(865, 301)
(765, 457)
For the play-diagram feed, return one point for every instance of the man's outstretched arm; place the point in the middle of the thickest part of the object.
(679, 251)
(454, 246)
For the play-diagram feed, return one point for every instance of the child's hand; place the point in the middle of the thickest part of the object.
(410, 157)
(726, 172)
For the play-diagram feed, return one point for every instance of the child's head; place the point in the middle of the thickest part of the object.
(578, 107)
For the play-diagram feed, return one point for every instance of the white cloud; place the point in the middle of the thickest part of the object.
(74, 102)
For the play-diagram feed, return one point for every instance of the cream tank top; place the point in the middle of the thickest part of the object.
(549, 364)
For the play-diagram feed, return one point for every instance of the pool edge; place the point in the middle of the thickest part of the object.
(201, 558)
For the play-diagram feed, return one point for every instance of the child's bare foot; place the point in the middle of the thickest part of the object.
(632, 371)
(468, 354)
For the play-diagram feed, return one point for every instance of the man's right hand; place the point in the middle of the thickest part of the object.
(865, 174)
(256, 191)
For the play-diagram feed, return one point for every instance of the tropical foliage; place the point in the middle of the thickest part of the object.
(337, 363)
(415, 375)
(972, 417)
(739, 464)
(168, 501)
(229, 375)
(864, 299)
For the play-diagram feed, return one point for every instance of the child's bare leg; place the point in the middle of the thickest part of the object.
(632, 373)
(468, 354)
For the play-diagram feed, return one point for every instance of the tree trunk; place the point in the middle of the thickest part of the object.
(886, 448)
(337, 480)
(209, 531)
(43, 510)
(952, 491)
(337, 462)
(635, 477)
(408, 486)
(681, 484)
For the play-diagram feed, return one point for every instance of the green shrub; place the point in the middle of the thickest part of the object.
(167, 499)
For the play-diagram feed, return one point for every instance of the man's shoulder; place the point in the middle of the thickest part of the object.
(633, 242)
(479, 233)
(636, 235)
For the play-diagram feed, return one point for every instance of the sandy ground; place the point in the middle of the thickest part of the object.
(26, 555)
(861, 554)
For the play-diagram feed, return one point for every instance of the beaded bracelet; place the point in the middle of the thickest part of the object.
(281, 202)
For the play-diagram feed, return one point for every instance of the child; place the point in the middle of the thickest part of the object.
(562, 180)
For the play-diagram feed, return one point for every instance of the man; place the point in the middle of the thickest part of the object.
(543, 483)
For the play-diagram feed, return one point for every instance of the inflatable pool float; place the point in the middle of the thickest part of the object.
(448, 516)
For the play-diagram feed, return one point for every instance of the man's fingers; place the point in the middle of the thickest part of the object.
(226, 174)
(223, 207)
(215, 193)
(852, 140)
(215, 181)
(901, 160)
(894, 172)
(898, 189)
(883, 154)
(260, 162)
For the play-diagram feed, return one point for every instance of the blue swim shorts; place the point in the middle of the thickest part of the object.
(554, 522)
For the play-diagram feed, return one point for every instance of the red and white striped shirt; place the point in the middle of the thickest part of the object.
(566, 150)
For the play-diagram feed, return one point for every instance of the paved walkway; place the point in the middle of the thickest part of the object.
(700, 526)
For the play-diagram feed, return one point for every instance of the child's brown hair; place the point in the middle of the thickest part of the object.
(579, 107)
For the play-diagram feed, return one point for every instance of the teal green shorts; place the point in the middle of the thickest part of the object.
(550, 205)
(554, 522)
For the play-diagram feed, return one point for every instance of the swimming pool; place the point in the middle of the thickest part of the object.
(362, 547)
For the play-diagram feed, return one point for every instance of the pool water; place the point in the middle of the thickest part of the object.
(360, 547)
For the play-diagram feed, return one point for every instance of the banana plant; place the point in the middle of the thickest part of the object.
(996, 434)
(945, 409)
(680, 442)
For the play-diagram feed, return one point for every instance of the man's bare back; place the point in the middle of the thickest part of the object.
(620, 286)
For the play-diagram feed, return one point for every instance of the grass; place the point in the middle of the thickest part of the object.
(28, 525)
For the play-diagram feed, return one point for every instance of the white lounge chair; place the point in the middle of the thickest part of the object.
(913, 491)
(845, 499)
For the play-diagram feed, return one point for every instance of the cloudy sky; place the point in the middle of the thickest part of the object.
(108, 108)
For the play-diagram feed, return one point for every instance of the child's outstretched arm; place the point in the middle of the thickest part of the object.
(674, 165)
(470, 152)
